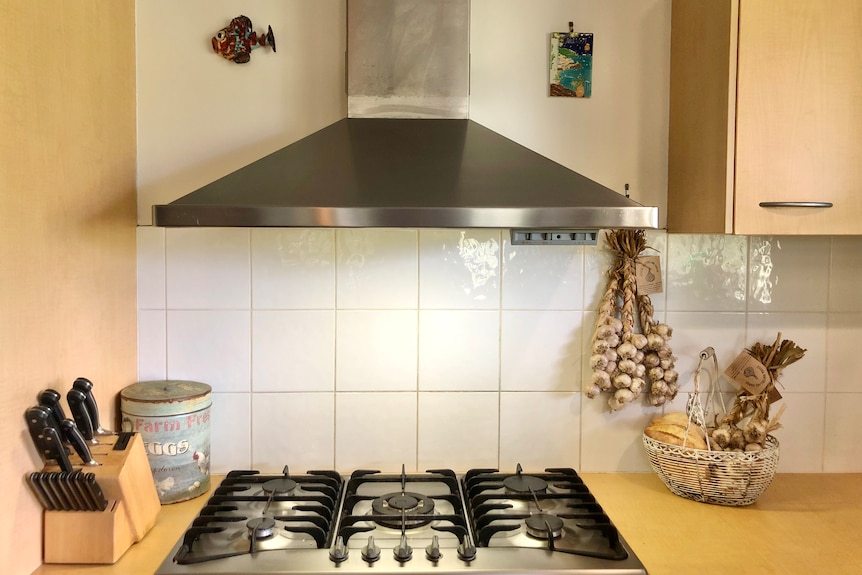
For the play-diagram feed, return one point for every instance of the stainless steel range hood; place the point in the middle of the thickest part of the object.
(407, 156)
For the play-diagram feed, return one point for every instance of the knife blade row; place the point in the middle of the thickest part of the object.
(65, 491)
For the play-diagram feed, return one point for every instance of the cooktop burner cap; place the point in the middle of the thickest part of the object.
(261, 527)
(541, 524)
(525, 484)
(280, 485)
(406, 503)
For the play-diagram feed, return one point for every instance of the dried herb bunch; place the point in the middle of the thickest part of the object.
(626, 362)
(747, 424)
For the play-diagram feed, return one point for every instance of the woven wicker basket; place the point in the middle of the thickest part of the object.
(719, 477)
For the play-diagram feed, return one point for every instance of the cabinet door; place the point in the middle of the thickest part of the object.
(799, 116)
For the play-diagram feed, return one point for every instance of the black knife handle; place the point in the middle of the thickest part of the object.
(39, 419)
(86, 386)
(72, 434)
(76, 502)
(52, 447)
(79, 483)
(77, 405)
(36, 488)
(54, 482)
(51, 398)
(41, 480)
(96, 491)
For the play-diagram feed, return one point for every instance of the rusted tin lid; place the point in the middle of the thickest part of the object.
(171, 397)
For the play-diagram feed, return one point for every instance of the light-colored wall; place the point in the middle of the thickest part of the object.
(67, 228)
(373, 348)
(201, 117)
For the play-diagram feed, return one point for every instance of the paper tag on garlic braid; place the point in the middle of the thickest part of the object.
(648, 275)
(748, 372)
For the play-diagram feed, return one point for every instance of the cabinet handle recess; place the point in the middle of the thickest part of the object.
(795, 204)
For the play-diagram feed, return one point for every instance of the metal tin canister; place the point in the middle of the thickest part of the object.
(173, 418)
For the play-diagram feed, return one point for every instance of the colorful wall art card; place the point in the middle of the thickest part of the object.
(571, 64)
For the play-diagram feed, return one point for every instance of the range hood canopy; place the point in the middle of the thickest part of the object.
(406, 156)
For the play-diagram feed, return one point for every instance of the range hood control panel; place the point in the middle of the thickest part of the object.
(554, 237)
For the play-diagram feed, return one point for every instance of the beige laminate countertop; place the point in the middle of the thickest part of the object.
(804, 523)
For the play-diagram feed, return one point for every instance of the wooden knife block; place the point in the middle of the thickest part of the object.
(133, 506)
(88, 536)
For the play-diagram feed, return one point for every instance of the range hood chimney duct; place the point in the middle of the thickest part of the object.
(407, 155)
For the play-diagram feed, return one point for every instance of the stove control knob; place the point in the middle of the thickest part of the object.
(432, 552)
(466, 550)
(403, 551)
(339, 551)
(371, 552)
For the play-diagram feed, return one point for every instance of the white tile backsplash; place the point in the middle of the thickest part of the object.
(843, 354)
(801, 439)
(210, 346)
(376, 350)
(844, 274)
(706, 272)
(293, 268)
(293, 350)
(788, 274)
(452, 348)
(542, 277)
(377, 269)
(375, 431)
(230, 432)
(541, 350)
(152, 345)
(294, 429)
(841, 452)
(540, 430)
(458, 430)
(597, 262)
(207, 268)
(459, 350)
(459, 269)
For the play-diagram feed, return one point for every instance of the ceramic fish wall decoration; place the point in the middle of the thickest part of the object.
(236, 40)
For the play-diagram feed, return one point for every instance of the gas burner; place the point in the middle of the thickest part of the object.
(281, 485)
(261, 527)
(524, 483)
(403, 503)
(541, 525)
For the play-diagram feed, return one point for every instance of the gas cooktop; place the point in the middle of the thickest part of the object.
(483, 521)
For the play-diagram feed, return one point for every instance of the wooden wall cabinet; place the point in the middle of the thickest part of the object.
(765, 106)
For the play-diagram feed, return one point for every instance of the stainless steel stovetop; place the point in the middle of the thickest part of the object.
(376, 523)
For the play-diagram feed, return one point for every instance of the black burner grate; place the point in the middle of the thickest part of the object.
(499, 507)
(249, 513)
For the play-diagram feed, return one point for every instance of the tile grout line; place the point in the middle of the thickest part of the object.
(335, 238)
(251, 348)
(826, 351)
